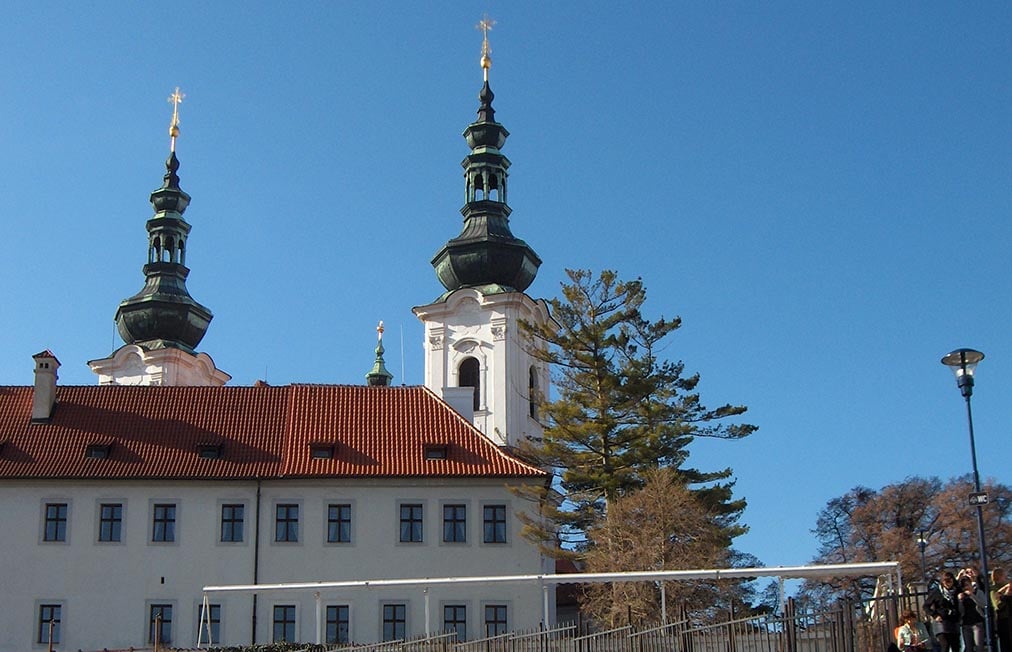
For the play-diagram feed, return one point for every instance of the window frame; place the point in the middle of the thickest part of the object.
(231, 523)
(494, 522)
(113, 521)
(504, 623)
(336, 623)
(294, 622)
(169, 534)
(214, 608)
(457, 521)
(60, 521)
(42, 625)
(344, 536)
(452, 624)
(411, 522)
(393, 621)
(291, 536)
(466, 376)
(150, 636)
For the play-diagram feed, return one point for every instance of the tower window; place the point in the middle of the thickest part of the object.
(469, 376)
(533, 392)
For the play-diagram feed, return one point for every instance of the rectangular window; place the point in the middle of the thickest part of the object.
(337, 624)
(164, 523)
(339, 524)
(110, 522)
(394, 622)
(209, 621)
(411, 523)
(286, 523)
(495, 619)
(56, 522)
(160, 624)
(455, 620)
(495, 524)
(231, 523)
(49, 623)
(454, 523)
(284, 623)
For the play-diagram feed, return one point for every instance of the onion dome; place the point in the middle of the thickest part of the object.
(486, 254)
(163, 314)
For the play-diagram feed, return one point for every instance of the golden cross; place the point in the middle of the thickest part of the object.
(485, 25)
(176, 99)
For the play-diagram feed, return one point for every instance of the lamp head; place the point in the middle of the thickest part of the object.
(963, 363)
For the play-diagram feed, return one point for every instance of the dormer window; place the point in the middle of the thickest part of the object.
(208, 451)
(97, 451)
(321, 451)
(435, 451)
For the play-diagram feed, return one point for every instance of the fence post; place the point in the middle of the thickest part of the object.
(848, 627)
(790, 625)
(683, 615)
(732, 644)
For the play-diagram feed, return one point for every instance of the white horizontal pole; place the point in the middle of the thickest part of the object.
(787, 572)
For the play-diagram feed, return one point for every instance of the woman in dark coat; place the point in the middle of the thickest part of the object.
(942, 604)
(971, 615)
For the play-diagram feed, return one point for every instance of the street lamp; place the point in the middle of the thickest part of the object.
(963, 362)
(922, 541)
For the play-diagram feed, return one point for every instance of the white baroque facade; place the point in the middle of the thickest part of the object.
(125, 502)
(485, 331)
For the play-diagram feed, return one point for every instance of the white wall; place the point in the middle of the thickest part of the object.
(105, 589)
(469, 324)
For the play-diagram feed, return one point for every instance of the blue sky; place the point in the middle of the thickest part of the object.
(820, 190)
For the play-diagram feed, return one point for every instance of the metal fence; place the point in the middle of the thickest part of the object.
(868, 626)
(847, 628)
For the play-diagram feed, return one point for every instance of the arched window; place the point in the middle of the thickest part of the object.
(469, 376)
(533, 392)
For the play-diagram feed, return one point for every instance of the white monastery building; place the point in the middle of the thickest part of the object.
(123, 499)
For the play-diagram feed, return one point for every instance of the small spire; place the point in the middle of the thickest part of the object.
(175, 100)
(378, 375)
(485, 25)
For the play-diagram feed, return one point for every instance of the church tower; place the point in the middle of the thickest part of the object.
(162, 324)
(477, 356)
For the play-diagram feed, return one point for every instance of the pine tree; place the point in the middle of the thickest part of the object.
(621, 410)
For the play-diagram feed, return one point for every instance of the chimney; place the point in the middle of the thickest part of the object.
(461, 399)
(44, 398)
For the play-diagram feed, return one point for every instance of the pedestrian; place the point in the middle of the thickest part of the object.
(1001, 601)
(942, 604)
(912, 636)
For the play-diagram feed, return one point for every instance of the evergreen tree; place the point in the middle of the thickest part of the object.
(621, 410)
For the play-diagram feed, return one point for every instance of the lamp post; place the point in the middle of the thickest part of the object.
(963, 363)
(922, 541)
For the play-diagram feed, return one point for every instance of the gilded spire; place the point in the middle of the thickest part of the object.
(175, 100)
(485, 25)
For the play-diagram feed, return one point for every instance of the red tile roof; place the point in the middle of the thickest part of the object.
(266, 432)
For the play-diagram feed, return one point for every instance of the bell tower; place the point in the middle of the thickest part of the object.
(477, 355)
(162, 324)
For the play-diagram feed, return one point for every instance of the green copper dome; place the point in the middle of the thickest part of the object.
(486, 254)
(163, 314)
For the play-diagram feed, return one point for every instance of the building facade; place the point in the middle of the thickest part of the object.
(123, 500)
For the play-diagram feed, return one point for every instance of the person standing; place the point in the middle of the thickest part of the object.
(971, 613)
(942, 604)
(1001, 601)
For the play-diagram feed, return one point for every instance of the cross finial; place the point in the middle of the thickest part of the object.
(379, 330)
(485, 25)
(175, 99)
